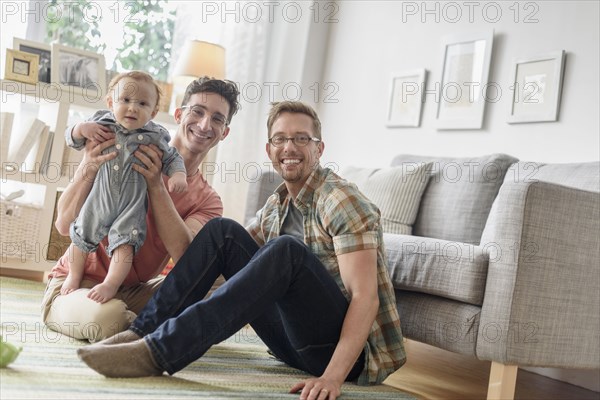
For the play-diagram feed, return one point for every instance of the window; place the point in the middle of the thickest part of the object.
(132, 34)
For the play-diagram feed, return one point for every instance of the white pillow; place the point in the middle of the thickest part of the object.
(396, 191)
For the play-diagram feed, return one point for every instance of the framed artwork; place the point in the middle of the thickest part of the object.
(21, 66)
(78, 68)
(406, 98)
(41, 49)
(465, 69)
(537, 88)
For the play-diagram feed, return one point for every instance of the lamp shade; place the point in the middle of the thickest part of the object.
(198, 58)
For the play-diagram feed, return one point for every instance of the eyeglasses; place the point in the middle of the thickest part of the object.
(299, 140)
(217, 121)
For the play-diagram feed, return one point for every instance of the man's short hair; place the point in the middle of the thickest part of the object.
(223, 87)
(277, 108)
(137, 76)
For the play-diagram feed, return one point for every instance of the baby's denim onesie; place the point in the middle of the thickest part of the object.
(117, 203)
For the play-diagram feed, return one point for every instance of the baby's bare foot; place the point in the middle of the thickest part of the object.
(102, 292)
(70, 284)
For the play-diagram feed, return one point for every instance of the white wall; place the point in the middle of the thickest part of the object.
(370, 41)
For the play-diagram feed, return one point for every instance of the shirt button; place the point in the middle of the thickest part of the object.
(135, 232)
(140, 137)
(116, 167)
(118, 146)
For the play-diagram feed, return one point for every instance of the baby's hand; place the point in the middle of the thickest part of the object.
(177, 183)
(93, 131)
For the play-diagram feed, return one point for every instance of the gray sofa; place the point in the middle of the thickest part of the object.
(503, 263)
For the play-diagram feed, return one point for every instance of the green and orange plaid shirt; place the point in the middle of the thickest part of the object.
(339, 219)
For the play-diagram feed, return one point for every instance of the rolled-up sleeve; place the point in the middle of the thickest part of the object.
(354, 242)
(73, 143)
(352, 221)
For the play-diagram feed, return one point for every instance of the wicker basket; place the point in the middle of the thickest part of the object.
(19, 230)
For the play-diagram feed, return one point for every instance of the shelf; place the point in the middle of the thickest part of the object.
(74, 96)
(40, 265)
(52, 93)
(51, 179)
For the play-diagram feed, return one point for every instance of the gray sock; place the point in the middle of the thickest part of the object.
(124, 360)
(121, 337)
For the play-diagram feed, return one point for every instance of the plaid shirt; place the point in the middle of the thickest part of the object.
(338, 219)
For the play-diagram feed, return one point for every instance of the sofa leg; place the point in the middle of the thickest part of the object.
(503, 379)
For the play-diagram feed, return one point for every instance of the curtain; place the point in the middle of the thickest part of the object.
(273, 52)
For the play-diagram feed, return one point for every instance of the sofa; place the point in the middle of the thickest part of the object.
(499, 259)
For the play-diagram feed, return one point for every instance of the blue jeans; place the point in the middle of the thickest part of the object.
(281, 289)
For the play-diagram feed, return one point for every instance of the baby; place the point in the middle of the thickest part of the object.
(117, 204)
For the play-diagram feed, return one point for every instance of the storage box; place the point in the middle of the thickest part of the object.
(19, 231)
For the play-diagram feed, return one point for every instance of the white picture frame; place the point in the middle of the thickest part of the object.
(43, 50)
(80, 69)
(537, 88)
(465, 70)
(405, 101)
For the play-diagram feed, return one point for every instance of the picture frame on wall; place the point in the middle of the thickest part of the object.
(466, 62)
(537, 88)
(405, 102)
(41, 49)
(21, 66)
(72, 67)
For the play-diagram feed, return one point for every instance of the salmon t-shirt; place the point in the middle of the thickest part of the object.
(200, 202)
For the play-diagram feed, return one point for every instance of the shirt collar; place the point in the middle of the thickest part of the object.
(306, 194)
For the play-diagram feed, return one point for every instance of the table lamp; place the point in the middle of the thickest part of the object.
(197, 58)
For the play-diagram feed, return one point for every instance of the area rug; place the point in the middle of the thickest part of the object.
(48, 367)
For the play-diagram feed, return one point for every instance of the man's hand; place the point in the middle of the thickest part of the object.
(317, 389)
(93, 131)
(93, 157)
(151, 157)
(76, 193)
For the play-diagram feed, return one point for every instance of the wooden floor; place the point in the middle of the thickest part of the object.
(432, 373)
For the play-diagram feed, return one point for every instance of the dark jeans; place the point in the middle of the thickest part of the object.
(281, 289)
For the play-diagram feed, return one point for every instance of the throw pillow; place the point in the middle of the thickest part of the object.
(396, 191)
(459, 196)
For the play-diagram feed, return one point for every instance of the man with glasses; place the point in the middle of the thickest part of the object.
(173, 219)
(309, 276)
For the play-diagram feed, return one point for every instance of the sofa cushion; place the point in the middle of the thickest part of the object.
(459, 195)
(584, 176)
(396, 191)
(258, 193)
(447, 269)
(451, 325)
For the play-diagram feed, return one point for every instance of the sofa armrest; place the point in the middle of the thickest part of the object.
(259, 191)
(543, 284)
(438, 267)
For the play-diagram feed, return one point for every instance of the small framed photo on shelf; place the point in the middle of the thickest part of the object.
(41, 49)
(465, 69)
(21, 66)
(78, 68)
(537, 88)
(406, 98)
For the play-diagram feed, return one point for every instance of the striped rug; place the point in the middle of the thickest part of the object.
(48, 368)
